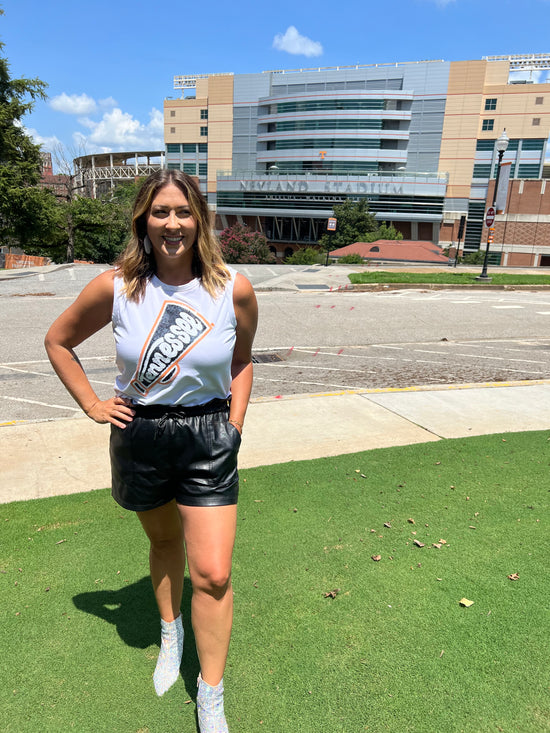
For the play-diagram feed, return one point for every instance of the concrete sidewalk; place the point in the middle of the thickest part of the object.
(68, 456)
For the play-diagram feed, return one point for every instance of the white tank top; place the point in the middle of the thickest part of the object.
(175, 346)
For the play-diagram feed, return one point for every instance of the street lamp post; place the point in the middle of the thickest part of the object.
(502, 145)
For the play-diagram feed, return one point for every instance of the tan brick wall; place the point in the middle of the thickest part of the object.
(214, 94)
(470, 84)
(186, 120)
(220, 127)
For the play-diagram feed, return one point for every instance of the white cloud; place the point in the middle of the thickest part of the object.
(292, 42)
(118, 130)
(46, 143)
(108, 103)
(74, 104)
(537, 76)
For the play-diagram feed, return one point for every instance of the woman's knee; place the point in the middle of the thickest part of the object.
(214, 581)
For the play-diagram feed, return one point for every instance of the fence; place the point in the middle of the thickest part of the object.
(17, 262)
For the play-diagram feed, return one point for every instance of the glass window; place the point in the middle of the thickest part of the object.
(189, 148)
(490, 104)
(190, 168)
(203, 147)
(539, 100)
(528, 171)
(172, 113)
(536, 121)
(328, 124)
(203, 169)
(482, 170)
(320, 143)
(204, 131)
(533, 144)
(314, 106)
(172, 130)
(487, 124)
(485, 144)
(204, 114)
(172, 148)
(173, 166)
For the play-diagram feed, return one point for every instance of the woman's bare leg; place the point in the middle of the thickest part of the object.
(167, 564)
(166, 557)
(209, 539)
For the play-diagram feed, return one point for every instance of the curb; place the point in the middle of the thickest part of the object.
(365, 287)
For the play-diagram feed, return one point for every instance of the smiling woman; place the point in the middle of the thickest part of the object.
(171, 233)
(183, 324)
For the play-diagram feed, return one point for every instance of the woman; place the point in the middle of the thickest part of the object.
(183, 325)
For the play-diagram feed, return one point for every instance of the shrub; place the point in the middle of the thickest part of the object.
(474, 258)
(353, 259)
(241, 246)
(383, 232)
(305, 256)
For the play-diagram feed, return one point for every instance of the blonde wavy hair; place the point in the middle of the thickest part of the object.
(136, 267)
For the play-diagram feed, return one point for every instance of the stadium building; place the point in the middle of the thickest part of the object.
(277, 150)
(98, 173)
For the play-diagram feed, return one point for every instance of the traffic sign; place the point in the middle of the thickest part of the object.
(331, 224)
(490, 216)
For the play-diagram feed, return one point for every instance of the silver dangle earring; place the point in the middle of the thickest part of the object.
(147, 245)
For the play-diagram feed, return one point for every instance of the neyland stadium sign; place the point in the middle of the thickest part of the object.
(346, 187)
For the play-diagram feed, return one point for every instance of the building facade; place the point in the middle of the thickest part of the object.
(277, 150)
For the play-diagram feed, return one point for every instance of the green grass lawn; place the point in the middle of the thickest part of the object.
(393, 650)
(446, 278)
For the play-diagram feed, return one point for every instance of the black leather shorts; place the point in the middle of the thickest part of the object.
(186, 454)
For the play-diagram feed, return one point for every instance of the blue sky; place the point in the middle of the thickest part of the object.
(110, 64)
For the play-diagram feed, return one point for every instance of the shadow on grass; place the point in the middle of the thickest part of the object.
(133, 611)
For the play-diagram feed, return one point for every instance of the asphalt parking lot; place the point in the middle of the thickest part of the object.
(315, 336)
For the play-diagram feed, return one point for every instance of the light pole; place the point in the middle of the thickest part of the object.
(502, 145)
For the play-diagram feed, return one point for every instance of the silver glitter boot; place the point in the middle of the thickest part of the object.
(210, 708)
(169, 660)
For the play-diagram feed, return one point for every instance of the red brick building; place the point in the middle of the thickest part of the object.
(522, 232)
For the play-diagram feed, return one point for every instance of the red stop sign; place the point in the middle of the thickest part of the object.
(490, 216)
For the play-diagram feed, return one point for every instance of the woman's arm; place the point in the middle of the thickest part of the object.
(246, 311)
(90, 312)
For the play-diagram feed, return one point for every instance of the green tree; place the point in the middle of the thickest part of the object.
(355, 222)
(305, 256)
(240, 245)
(383, 232)
(84, 228)
(23, 209)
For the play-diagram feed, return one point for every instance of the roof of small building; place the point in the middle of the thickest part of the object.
(387, 249)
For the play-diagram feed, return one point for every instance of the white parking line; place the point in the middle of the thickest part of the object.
(346, 356)
(500, 358)
(384, 346)
(47, 361)
(522, 371)
(316, 384)
(27, 371)
(45, 374)
(322, 368)
(44, 404)
(427, 351)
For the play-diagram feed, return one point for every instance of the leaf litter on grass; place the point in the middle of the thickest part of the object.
(397, 616)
